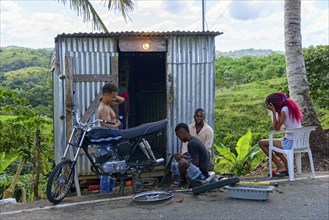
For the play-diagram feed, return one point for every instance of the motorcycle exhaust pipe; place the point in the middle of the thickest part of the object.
(148, 148)
(142, 147)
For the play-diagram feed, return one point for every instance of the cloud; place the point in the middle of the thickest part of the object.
(243, 10)
(246, 24)
(314, 28)
(174, 7)
(251, 10)
(36, 30)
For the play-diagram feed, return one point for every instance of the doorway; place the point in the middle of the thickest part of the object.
(143, 76)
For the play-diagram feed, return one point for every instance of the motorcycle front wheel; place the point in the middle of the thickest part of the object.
(60, 181)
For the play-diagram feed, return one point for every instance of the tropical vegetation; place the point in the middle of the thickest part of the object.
(26, 106)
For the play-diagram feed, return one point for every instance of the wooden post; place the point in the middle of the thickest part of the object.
(69, 94)
(70, 106)
(115, 70)
(91, 109)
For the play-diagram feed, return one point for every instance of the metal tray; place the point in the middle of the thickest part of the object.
(152, 196)
(251, 192)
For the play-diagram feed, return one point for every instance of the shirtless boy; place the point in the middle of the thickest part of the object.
(105, 111)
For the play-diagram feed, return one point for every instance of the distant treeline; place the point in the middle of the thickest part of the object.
(235, 71)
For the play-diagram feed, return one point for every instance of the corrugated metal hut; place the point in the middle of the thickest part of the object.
(167, 74)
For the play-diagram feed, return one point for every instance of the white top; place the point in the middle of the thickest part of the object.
(289, 123)
(206, 136)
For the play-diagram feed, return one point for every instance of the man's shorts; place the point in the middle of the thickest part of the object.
(194, 173)
(287, 144)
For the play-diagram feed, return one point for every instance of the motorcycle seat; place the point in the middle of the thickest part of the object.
(101, 135)
(144, 129)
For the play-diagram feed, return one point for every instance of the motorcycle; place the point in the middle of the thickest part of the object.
(113, 156)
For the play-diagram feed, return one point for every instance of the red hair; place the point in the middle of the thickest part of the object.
(279, 100)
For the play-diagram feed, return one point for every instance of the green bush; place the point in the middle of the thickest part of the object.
(240, 163)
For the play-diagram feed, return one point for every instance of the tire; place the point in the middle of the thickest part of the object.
(60, 181)
(138, 186)
(215, 185)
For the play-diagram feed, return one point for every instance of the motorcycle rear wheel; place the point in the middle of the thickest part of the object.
(60, 181)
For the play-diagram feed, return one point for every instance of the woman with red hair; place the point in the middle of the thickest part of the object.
(285, 111)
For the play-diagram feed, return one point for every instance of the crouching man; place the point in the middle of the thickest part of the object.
(194, 164)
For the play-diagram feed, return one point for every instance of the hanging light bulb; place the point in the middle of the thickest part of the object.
(146, 46)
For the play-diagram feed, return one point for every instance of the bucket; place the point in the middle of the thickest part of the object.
(107, 184)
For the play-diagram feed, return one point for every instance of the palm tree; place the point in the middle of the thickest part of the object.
(87, 10)
(296, 73)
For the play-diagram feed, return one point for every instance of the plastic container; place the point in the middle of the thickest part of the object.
(8, 201)
(107, 184)
(251, 192)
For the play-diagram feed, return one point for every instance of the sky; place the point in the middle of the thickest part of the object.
(246, 23)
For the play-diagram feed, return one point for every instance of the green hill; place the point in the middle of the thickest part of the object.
(15, 58)
(246, 52)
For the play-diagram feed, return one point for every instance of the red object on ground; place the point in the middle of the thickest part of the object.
(94, 187)
(129, 182)
(181, 200)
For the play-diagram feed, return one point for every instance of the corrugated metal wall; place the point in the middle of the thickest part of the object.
(90, 56)
(191, 80)
(190, 69)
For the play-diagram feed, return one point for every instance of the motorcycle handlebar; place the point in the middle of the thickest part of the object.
(77, 119)
(107, 122)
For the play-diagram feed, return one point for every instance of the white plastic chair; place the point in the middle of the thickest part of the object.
(300, 144)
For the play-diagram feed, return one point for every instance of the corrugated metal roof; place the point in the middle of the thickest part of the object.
(142, 33)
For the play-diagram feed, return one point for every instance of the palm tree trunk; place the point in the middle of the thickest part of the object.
(8, 193)
(296, 73)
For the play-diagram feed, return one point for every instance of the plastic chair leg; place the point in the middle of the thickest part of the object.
(290, 159)
(270, 161)
(311, 163)
(298, 159)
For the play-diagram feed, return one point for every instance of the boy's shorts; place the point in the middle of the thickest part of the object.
(194, 173)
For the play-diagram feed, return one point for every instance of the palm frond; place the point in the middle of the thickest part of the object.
(85, 9)
(124, 6)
